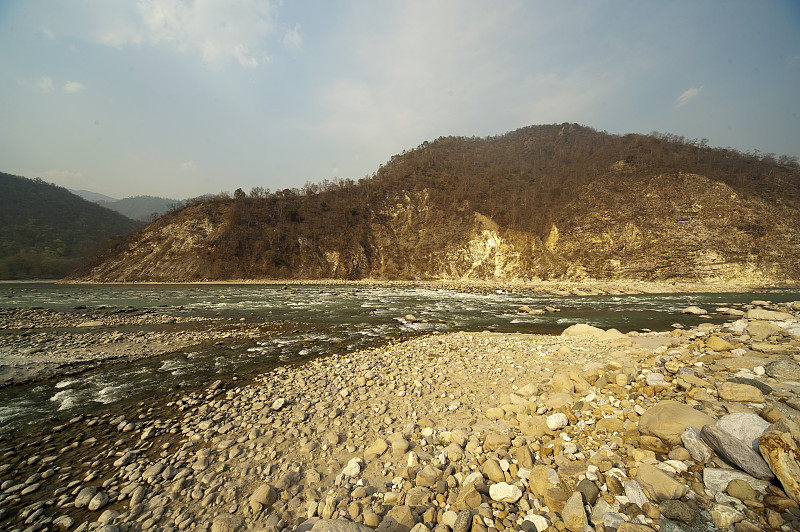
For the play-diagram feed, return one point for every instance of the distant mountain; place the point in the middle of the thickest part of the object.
(559, 202)
(142, 208)
(92, 196)
(46, 231)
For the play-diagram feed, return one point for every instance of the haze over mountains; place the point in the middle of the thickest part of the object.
(542, 202)
(46, 231)
(142, 208)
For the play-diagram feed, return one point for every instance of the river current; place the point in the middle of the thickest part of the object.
(321, 320)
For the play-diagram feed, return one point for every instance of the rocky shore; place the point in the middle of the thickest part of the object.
(684, 430)
(40, 343)
(547, 287)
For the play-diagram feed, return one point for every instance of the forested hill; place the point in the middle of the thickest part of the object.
(542, 202)
(46, 231)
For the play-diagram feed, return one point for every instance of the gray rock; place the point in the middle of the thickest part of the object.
(694, 443)
(784, 369)
(589, 490)
(63, 522)
(716, 480)
(98, 501)
(85, 496)
(766, 389)
(744, 426)
(463, 521)
(736, 452)
(634, 492)
(227, 523)
(613, 520)
(677, 510)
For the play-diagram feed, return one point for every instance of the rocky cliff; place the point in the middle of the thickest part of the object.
(547, 202)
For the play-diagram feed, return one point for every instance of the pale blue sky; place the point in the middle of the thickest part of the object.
(179, 98)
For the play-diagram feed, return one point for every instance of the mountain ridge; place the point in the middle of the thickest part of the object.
(47, 231)
(561, 201)
(143, 208)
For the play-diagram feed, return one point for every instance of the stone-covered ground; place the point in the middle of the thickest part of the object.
(592, 430)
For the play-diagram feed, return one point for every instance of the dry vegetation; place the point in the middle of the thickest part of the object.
(396, 222)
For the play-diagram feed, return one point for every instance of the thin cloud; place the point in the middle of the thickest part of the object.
(188, 166)
(71, 87)
(688, 96)
(45, 84)
(292, 39)
(220, 32)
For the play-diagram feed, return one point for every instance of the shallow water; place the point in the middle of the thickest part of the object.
(322, 320)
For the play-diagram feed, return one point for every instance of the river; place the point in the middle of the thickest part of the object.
(320, 320)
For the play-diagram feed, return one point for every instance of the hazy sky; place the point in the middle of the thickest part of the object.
(179, 98)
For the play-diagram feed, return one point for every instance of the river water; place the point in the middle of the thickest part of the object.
(317, 320)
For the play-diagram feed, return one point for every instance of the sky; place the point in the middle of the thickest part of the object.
(179, 98)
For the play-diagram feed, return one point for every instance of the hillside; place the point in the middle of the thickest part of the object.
(142, 208)
(542, 202)
(46, 231)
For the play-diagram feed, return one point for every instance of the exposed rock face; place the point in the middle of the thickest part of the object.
(433, 215)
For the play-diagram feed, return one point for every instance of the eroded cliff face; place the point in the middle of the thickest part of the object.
(169, 249)
(681, 227)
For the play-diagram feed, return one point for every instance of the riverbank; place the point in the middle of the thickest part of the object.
(456, 431)
(37, 344)
(559, 288)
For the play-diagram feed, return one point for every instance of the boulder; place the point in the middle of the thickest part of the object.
(562, 383)
(376, 449)
(744, 426)
(495, 440)
(227, 523)
(677, 510)
(659, 484)
(428, 476)
(573, 514)
(758, 330)
(733, 391)
(668, 419)
(736, 451)
(399, 519)
(504, 492)
(265, 495)
(767, 315)
(695, 310)
(468, 498)
(715, 343)
(582, 329)
(780, 447)
(491, 468)
(557, 421)
(784, 369)
(716, 480)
